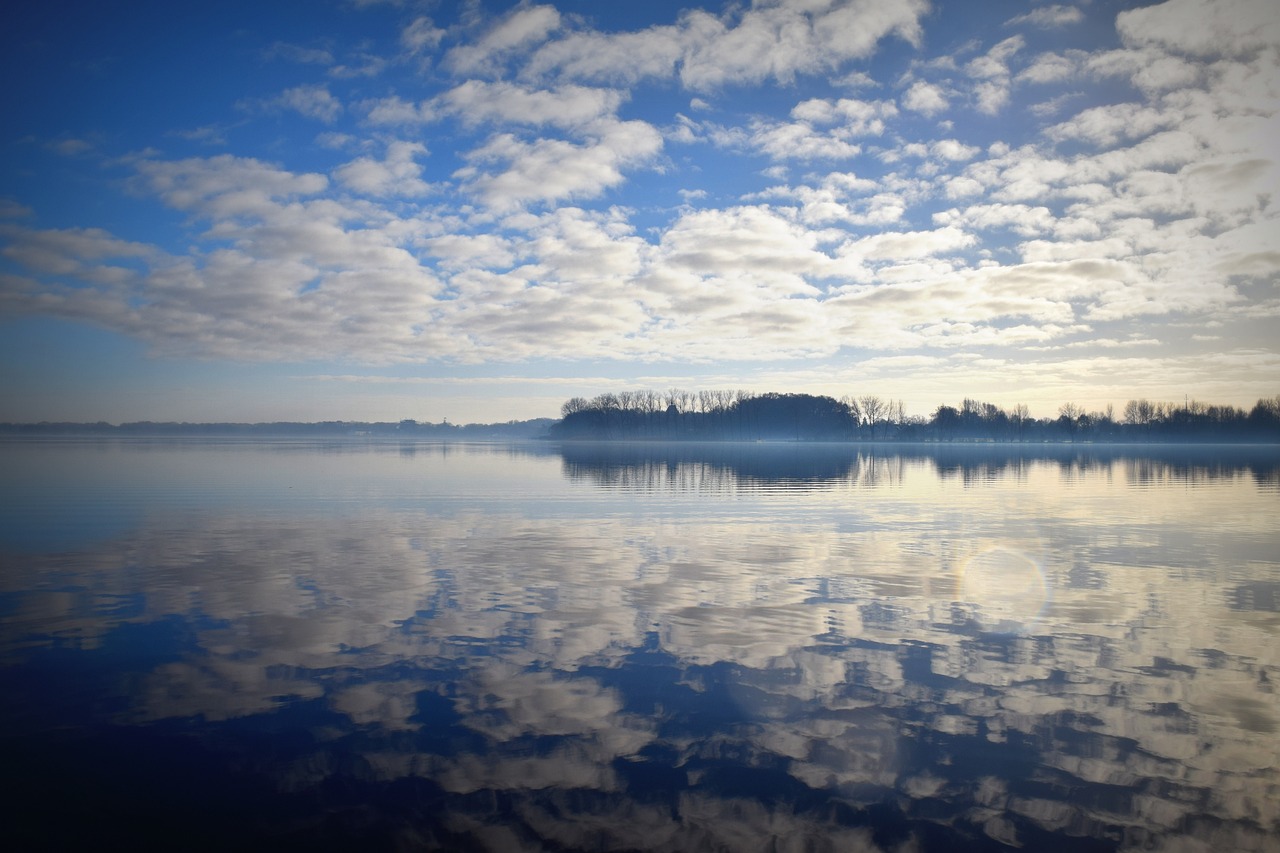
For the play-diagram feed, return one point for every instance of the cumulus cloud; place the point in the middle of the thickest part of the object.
(1202, 27)
(746, 241)
(775, 39)
(508, 171)
(925, 98)
(225, 185)
(395, 111)
(613, 58)
(311, 101)
(825, 217)
(853, 117)
(72, 251)
(992, 75)
(779, 40)
(953, 150)
(1106, 126)
(520, 30)
(1050, 68)
(398, 174)
(799, 140)
(902, 246)
(1020, 218)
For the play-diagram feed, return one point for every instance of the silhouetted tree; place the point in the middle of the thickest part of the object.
(946, 422)
(725, 414)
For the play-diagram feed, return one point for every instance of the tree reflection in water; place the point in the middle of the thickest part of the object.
(645, 648)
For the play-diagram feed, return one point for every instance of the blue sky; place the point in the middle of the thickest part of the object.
(373, 210)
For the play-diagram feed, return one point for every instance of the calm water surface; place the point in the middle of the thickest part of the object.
(383, 646)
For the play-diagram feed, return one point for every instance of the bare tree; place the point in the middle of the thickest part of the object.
(855, 411)
(1021, 414)
(874, 410)
(574, 405)
(1140, 412)
(1071, 417)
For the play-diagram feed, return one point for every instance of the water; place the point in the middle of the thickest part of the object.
(382, 646)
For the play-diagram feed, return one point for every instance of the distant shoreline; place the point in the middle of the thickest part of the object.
(502, 433)
(534, 428)
(679, 417)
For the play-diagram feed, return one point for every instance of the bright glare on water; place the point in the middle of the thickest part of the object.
(363, 645)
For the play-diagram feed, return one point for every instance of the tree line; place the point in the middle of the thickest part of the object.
(724, 415)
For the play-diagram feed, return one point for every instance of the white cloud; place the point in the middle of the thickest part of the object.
(1055, 105)
(1048, 17)
(990, 96)
(1202, 27)
(750, 242)
(779, 40)
(1019, 218)
(1108, 125)
(1050, 68)
(994, 64)
(421, 34)
(836, 200)
(801, 142)
(363, 65)
(311, 101)
(962, 187)
(614, 58)
(774, 39)
(70, 251)
(396, 175)
(904, 246)
(225, 185)
(924, 98)
(519, 31)
(849, 116)
(554, 169)
(395, 111)
(991, 70)
(953, 150)
(1161, 204)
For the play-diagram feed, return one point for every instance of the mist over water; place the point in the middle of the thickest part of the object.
(639, 647)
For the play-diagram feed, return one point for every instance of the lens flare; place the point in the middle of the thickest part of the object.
(1008, 589)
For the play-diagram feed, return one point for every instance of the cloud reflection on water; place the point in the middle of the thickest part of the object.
(679, 652)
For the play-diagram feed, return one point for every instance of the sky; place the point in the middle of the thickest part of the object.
(472, 211)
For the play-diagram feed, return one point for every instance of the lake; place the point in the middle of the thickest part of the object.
(380, 645)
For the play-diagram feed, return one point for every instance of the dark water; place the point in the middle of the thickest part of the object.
(382, 646)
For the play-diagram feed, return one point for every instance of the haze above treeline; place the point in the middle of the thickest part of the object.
(725, 415)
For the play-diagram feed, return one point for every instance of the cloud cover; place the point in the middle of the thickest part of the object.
(532, 187)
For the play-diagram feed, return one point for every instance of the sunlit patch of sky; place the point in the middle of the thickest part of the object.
(474, 210)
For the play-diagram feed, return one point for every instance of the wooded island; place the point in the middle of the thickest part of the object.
(747, 416)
